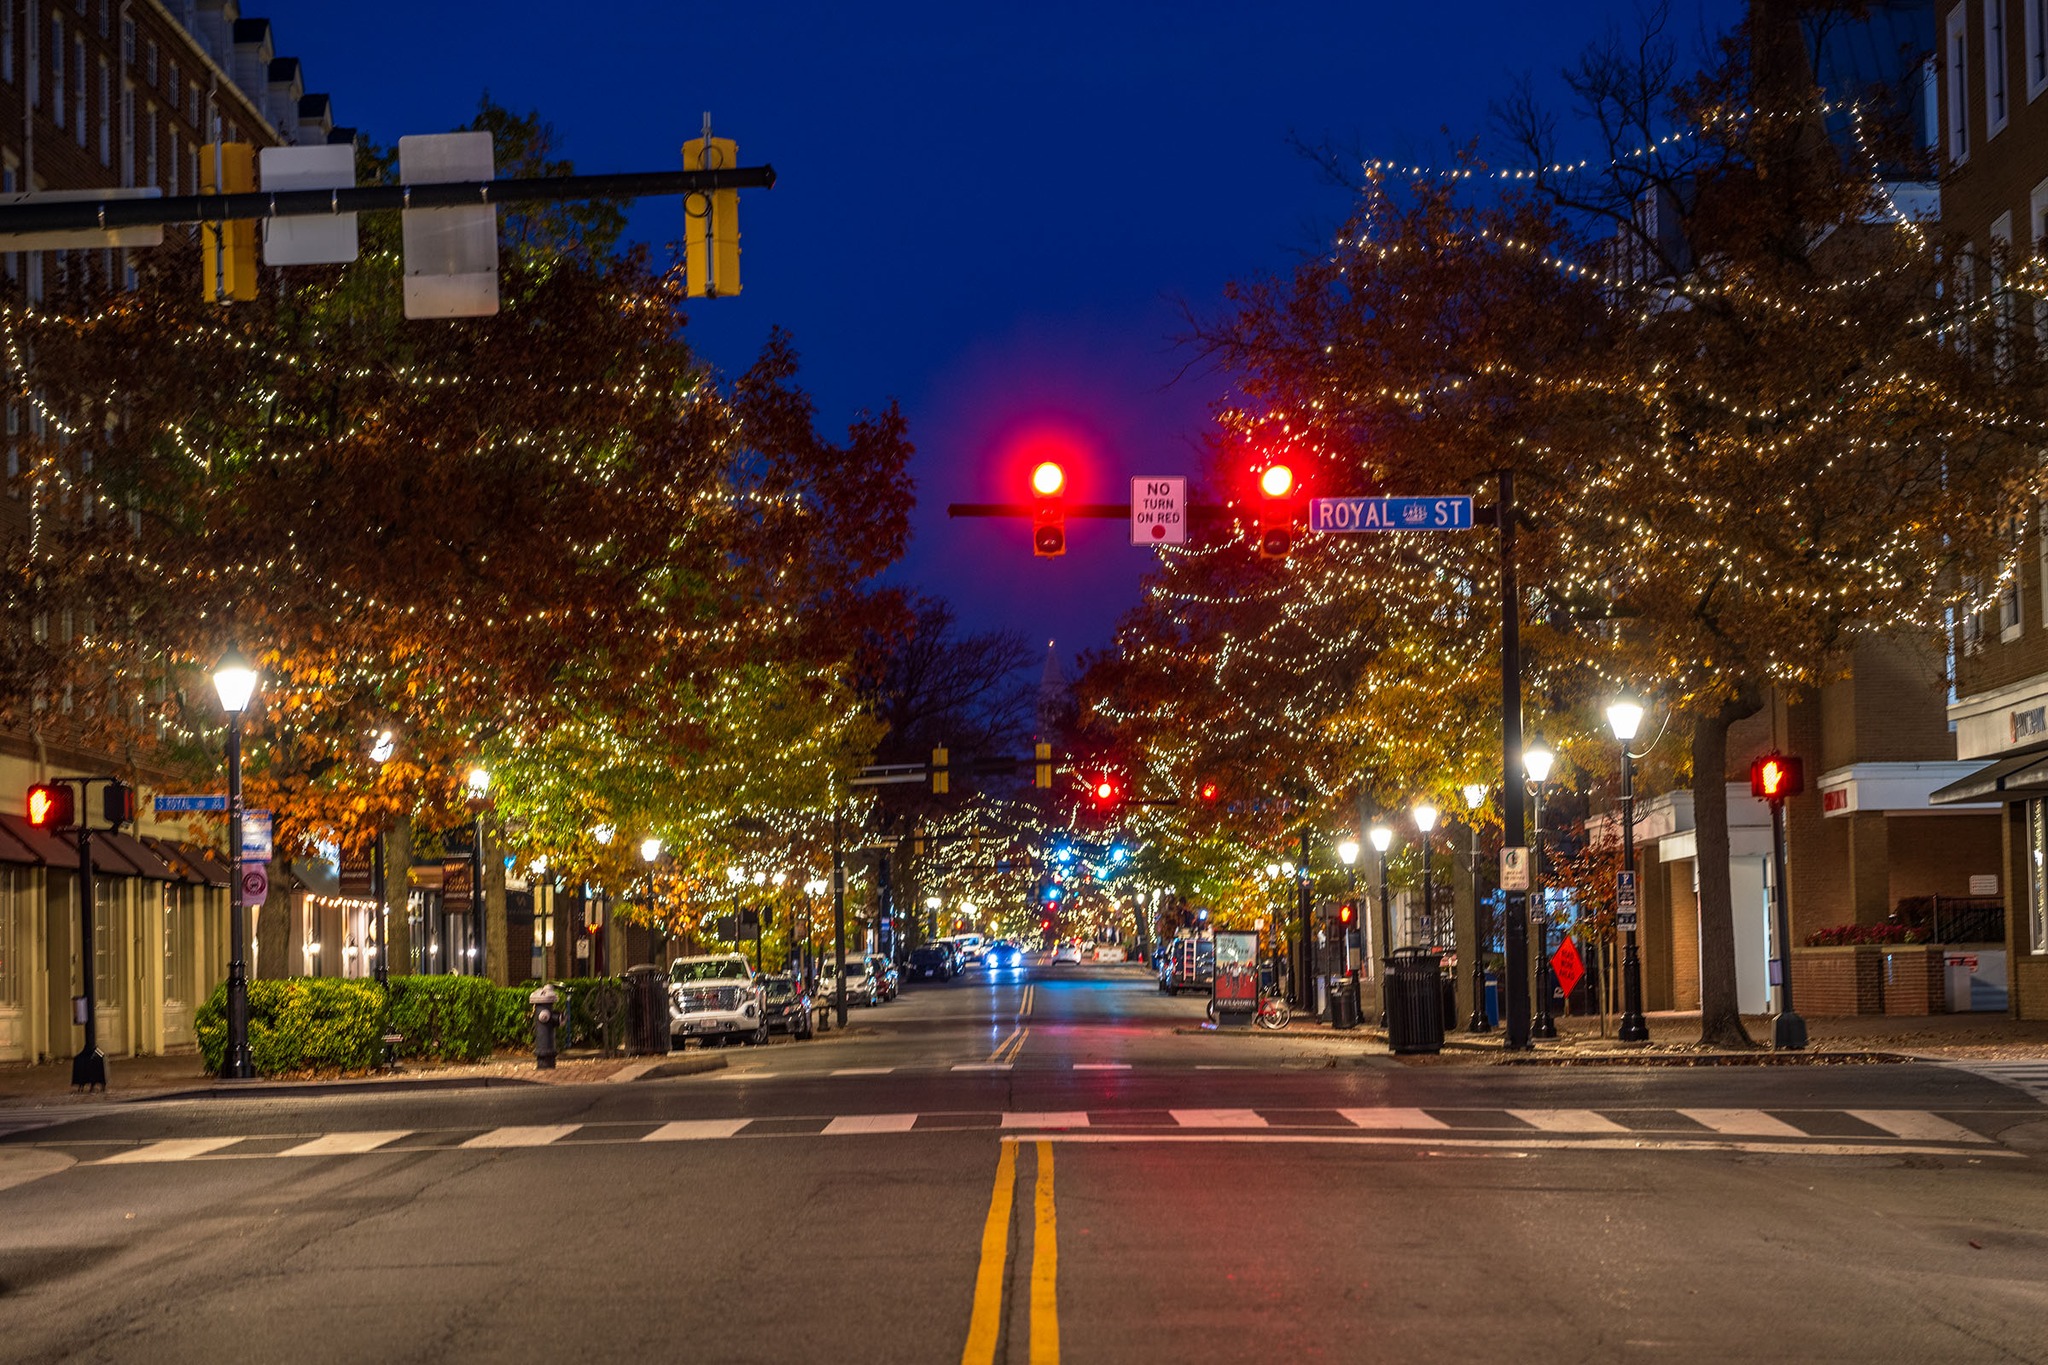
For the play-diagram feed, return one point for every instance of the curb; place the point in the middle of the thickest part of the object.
(356, 1087)
(1718, 1059)
(680, 1066)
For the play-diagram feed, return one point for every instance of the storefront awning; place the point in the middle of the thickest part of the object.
(190, 862)
(2016, 777)
(13, 852)
(145, 859)
(49, 850)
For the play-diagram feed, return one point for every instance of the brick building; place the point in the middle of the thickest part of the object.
(97, 94)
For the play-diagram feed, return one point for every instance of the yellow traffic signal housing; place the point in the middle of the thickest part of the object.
(227, 251)
(1042, 777)
(942, 777)
(711, 235)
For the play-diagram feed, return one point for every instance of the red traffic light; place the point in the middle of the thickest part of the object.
(1276, 481)
(49, 806)
(1049, 513)
(1048, 480)
(1209, 792)
(1775, 777)
(1277, 510)
(1105, 792)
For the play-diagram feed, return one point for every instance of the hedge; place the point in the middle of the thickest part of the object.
(329, 1024)
(1852, 935)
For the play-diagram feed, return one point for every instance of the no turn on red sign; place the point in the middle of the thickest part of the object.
(255, 883)
(1159, 510)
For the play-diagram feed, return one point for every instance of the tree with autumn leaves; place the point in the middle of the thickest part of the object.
(551, 542)
(1751, 420)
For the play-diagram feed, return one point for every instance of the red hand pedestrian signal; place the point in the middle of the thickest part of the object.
(49, 806)
(1775, 777)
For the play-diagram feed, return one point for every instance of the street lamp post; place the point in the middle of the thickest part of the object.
(1536, 764)
(1625, 716)
(1347, 853)
(1425, 821)
(381, 750)
(235, 681)
(650, 854)
(1382, 839)
(1475, 797)
(478, 786)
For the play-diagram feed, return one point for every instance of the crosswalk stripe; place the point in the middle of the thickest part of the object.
(1102, 1066)
(981, 1066)
(170, 1149)
(690, 1130)
(1742, 1123)
(1567, 1121)
(1915, 1124)
(345, 1144)
(1391, 1118)
(1074, 1118)
(871, 1123)
(863, 1071)
(523, 1135)
(1217, 1118)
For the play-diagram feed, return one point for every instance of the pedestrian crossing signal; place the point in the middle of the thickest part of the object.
(1775, 777)
(50, 806)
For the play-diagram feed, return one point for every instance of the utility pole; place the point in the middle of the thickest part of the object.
(1515, 928)
(838, 919)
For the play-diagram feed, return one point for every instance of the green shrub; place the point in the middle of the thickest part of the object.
(300, 1024)
(512, 1018)
(1857, 935)
(451, 1018)
(583, 1030)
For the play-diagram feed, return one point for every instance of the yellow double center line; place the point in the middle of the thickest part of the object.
(1007, 1050)
(1024, 1010)
(984, 1328)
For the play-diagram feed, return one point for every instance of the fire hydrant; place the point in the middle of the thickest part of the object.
(543, 1002)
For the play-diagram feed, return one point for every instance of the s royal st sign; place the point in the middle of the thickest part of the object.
(1345, 515)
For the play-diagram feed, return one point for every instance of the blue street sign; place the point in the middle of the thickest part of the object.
(167, 805)
(1389, 514)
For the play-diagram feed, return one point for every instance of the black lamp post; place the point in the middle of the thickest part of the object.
(1425, 821)
(1625, 717)
(1536, 764)
(235, 681)
(1382, 839)
(1475, 797)
(1347, 853)
(478, 787)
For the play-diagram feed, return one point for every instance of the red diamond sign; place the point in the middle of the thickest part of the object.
(1567, 966)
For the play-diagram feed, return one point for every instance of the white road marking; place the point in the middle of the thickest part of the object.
(689, 1130)
(1391, 1118)
(1916, 1124)
(863, 1071)
(523, 1135)
(871, 1123)
(345, 1144)
(2029, 1078)
(981, 1066)
(170, 1149)
(1567, 1121)
(1742, 1122)
(1216, 1118)
(1533, 1143)
(1102, 1066)
(1073, 1118)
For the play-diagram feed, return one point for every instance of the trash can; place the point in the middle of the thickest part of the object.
(1493, 999)
(1450, 995)
(647, 1019)
(1415, 1018)
(1343, 1002)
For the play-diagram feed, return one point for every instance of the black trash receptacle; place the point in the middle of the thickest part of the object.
(1450, 989)
(1415, 1020)
(647, 1018)
(1343, 1002)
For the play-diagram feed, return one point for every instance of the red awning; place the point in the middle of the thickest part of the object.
(145, 860)
(109, 859)
(191, 862)
(49, 850)
(12, 851)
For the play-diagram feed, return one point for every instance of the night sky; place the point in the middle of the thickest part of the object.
(992, 213)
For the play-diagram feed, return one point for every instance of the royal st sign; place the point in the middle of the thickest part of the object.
(1345, 515)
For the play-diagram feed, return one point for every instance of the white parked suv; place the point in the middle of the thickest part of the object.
(861, 986)
(716, 998)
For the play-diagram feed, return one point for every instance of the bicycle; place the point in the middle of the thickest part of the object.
(1273, 1013)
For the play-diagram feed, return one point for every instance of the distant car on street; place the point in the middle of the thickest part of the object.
(1002, 956)
(789, 1007)
(1067, 952)
(862, 987)
(929, 962)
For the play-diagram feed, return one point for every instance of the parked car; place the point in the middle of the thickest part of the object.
(862, 987)
(888, 981)
(971, 946)
(1069, 951)
(930, 963)
(715, 998)
(789, 1008)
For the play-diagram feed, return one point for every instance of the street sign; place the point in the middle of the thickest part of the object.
(255, 883)
(1389, 514)
(1514, 869)
(256, 845)
(171, 805)
(1159, 510)
(1567, 966)
(1625, 901)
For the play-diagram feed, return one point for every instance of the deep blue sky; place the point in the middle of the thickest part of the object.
(990, 212)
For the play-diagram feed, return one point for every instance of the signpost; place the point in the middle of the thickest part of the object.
(1159, 510)
(1389, 514)
(256, 843)
(1625, 901)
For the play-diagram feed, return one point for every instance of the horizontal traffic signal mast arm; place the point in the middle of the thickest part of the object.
(86, 214)
(1102, 510)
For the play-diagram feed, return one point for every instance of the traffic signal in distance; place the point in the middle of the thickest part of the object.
(1775, 777)
(227, 251)
(117, 803)
(1347, 914)
(1279, 509)
(1105, 792)
(1209, 792)
(711, 231)
(1041, 776)
(50, 806)
(1048, 510)
(942, 777)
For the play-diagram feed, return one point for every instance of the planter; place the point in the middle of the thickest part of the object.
(1842, 981)
(1915, 981)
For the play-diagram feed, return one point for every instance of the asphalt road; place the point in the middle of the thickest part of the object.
(1051, 1165)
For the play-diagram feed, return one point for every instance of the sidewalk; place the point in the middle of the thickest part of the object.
(1675, 1036)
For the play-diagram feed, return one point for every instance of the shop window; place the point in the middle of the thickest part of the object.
(2037, 876)
(13, 887)
(107, 976)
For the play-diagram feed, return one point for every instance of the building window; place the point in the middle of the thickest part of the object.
(2037, 876)
(2004, 303)
(2009, 611)
(1995, 61)
(7, 40)
(78, 112)
(14, 889)
(2037, 46)
(149, 149)
(1958, 85)
(173, 83)
(192, 105)
(106, 17)
(106, 113)
(58, 60)
(149, 58)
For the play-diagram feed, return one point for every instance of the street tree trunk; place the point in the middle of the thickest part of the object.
(397, 884)
(497, 913)
(1720, 1001)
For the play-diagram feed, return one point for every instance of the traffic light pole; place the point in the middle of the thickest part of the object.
(838, 919)
(87, 215)
(236, 1064)
(1515, 929)
(1304, 974)
(89, 1067)
(1789, 1030)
